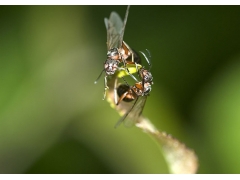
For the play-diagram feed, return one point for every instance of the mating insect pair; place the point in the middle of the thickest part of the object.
(123, 61)
(137, 94)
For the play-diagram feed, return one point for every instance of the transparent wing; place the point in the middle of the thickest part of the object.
(114, 25)
(115, 29)
(132, 115)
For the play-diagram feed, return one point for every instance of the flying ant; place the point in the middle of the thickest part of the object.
(118, 50)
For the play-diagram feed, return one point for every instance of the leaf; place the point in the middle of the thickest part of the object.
(180, 159)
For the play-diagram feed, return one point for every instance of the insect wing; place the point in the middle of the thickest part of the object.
(115, 29)
(114, 26)
(133, 114)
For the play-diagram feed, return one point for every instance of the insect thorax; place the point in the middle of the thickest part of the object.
(113, 54)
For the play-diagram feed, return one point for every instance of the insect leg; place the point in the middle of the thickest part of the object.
(105, 87)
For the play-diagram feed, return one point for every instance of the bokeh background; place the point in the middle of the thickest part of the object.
(53, 119)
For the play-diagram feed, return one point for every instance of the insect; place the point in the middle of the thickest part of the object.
(118, 50)
(138, 92)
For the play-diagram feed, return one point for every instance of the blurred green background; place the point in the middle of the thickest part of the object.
(53, 119)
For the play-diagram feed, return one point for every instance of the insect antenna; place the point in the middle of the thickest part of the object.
(148, 59)
(95, 82)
